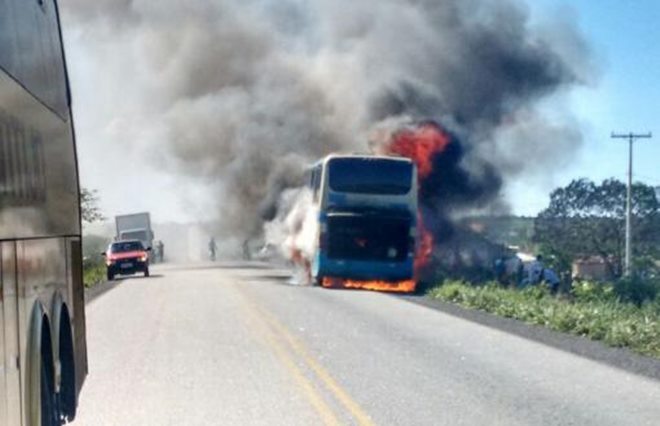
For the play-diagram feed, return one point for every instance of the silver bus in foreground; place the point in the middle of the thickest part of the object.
(43, 354)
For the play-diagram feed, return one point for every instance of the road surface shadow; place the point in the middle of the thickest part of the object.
(621, 358)
(271, 277)
(100, 289)
(234, 265)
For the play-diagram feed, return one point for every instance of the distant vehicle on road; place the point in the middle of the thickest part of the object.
(126, 258)
(43, 350)
(367, 212)
(136, 226)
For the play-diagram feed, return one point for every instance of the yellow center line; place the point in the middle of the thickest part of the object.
(324, 411)
(299, 349)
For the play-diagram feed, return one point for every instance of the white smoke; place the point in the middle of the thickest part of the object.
(294, 231)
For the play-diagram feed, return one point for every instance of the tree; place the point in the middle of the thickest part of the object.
(89, 208)
(585, 219)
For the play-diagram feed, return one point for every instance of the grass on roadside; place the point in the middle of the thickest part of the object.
(93, 273)
(592, 310)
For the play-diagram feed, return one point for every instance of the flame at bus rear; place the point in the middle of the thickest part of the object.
(421, 143)
(405, 286)
(424, 248)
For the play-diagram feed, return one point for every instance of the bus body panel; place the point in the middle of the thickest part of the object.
(31, 52)
(40, 231)
(36, 272)
(38, 180)
(44, 278)
(10, 399)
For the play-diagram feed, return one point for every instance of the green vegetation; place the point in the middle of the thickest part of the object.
(93, 272)
(583, 220)
(93, 245)
(588, 219)
(93, 261)
(89, 206)
(621, 315)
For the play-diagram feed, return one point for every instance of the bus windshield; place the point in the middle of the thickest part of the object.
(370, 176)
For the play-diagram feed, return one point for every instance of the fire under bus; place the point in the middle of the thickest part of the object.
(43, 356)
(367, 222)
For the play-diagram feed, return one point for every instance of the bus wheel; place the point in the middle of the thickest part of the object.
(317, 281)
(49, 416)
(67, 395)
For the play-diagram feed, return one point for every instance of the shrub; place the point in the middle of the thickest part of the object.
(636, 290)
(94, 272)
(594, 310)
(589, 291)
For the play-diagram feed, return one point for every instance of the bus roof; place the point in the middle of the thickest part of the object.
(361, 156)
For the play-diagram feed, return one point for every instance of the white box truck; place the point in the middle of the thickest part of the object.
(136, 226)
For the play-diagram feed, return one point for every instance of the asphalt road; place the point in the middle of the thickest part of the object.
(239, 345)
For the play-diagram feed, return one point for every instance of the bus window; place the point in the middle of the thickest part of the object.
(370, 176)
(22, 178)
(14, 161)
(38, 168)
(4, 158)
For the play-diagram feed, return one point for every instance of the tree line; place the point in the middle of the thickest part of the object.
(587, 219)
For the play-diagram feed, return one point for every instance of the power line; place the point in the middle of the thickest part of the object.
(631, 137)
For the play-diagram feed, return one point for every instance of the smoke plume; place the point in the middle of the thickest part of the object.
(241, 96)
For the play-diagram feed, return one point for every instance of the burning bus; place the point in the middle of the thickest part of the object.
(365, 207)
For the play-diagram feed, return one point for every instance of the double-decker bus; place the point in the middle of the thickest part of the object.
(367, 221)
(43, 355)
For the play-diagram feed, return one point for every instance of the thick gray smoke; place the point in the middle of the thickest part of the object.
(241, 96)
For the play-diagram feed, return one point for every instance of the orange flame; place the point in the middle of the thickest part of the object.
(424, 248)
(405, 286)
(420, 145)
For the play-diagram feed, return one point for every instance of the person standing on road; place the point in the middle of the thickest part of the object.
(212, 248)
(161, 251)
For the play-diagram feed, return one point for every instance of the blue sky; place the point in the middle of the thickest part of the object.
(625, 39)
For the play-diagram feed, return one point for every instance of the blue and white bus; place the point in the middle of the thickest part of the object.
(367, 212)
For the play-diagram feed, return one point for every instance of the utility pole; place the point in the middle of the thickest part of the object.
(631, 137)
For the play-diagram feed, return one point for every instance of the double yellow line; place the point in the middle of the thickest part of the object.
(283, 344)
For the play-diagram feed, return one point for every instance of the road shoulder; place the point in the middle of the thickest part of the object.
(621, 358)
(98, 290)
